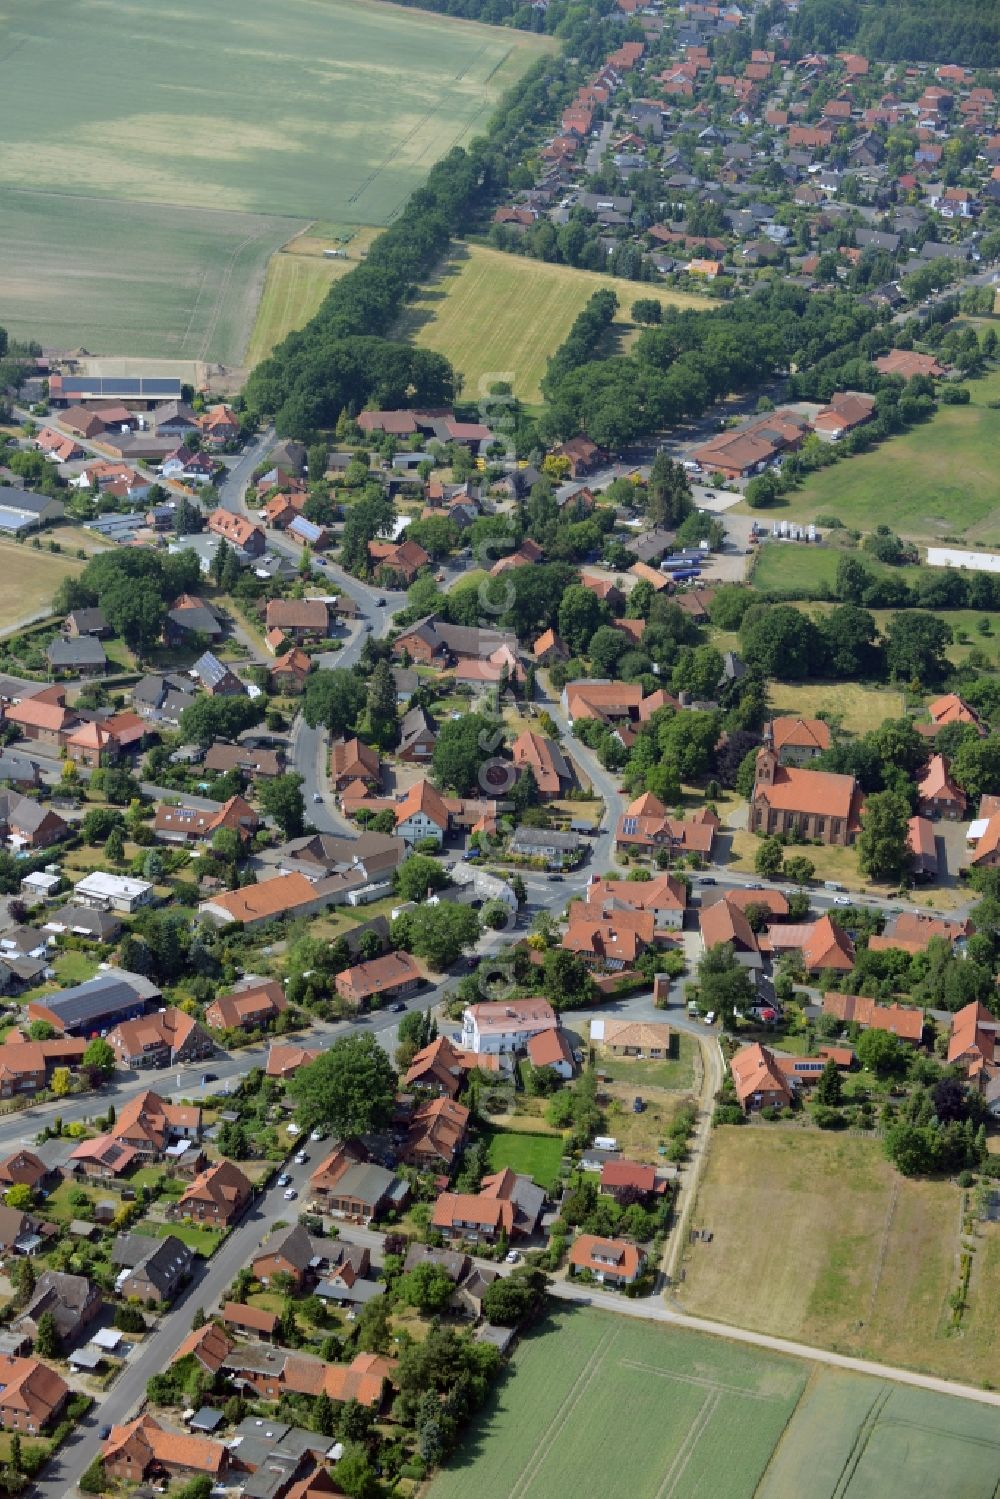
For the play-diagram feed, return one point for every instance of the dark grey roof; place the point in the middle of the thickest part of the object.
(196, 617)
(88, 621)
(18, 768)
(293, 1244)
(100, 998)
(164, 1262)
(541, 838)
(12, 498)
(139, 387)
(366, 1182)
(211, 670)
(103, 926)
(84, 650)
(415, 722)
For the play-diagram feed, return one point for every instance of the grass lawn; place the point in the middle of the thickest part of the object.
(858, 708)
(853, 1256)
(202, 1240)
(465, 314)
(75, 968)
(160, 250)
(32, 577)
(58, 1207)
(537, 1156)
(937, 480)
(678, 1072)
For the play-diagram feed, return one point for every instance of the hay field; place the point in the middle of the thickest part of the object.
(499, 317)
(28, 579)
(598, 1403)
(816, 1238)
(298, 278)
(858, 708)
(282, 114)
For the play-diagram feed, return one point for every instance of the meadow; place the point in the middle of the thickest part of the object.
(31, 580)
(939, 479)
(179, 147)
(857, 708)
(464, 313)
(603, 1404)
(298, 278)
(816, 1237)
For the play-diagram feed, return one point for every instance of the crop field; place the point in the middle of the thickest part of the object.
(603, 1404)
(465, 315)
(178, 148)
(297, 280)
(852, 1256)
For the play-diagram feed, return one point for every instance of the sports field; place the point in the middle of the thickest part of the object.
(599, 1404)
(178, 147)
(466, 315)
(842, 1251)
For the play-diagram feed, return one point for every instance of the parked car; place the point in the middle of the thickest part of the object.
(290, 1194)
(317, 1134)
(317, 797)
(512, 1256)
(707, 879)
(637, 1105)
(209, 1077)
(842, 900)
(284, 1179)
(301, 1158)
(398, 1008)
(710, 1018)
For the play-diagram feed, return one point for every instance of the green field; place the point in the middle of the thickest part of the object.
(599, 1404)
(940, 479)
(179, 147)
(465, 315)
(537, 1156)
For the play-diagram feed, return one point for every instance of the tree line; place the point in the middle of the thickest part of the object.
(959, 31)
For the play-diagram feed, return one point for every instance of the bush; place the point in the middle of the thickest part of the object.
(94, 1480)
(728, 1113)
(828, 1118)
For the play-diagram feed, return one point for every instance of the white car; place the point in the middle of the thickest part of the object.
(710, 1018)
(301, 1158)
(317, 797)
(293, 1129)
(317, 1134)
(842, 900)
(290, 1194)
(513, 1257)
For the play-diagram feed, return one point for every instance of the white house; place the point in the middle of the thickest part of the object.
(495, 1029)
(113, 892)
(421, 814)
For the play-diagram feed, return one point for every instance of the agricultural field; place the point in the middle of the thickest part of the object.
(138, 217)
(853, 1257)
(298, 278)
(464, 315)
(604, 1404)
(30, 576)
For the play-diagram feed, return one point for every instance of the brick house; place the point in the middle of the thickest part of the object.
(160, 1040)
(32, 1395)
(613, 1262)
(238, 531)
(252, 1007)
(384, 978)
(217, 1196)
(938, 795)
(796, 741)
(130, 1452)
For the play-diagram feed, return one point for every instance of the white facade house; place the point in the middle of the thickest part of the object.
(498, 1029)
(418, 825)
(113, 892)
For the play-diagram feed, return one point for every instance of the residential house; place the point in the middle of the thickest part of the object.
(254, 1005)
(85, 622)
(291, 671)
(251, 760)
(822, 944)
(951, 709)
(436, 1134)
(938, 795)
(629, 1181)
(23, 1168)
(130, 1453)
(664, 897)
(898, 1020)
(32, 1396)
(285, 1059)
(217, 679)
(796, 741)
(441, 1068)
(217, 1196)
(974, 1041)
(724, 923)
(642, 1039)
(195, 824)
(102, 1159)
(288, 1251)
(544, 760)
(299, 619)
(238, 531)
(611, 1262)
(113, 892)
(608, 940)
(548, 648)
(149, 1124)
(505, 1027)
(28, 823)
(164, 1039)
(582, 455)
(406, 558)
(556, 849)
(77, 656)
(759, 1081)
(287, 895)
(351, 761)
(26, 1066)
(252, 1321)
(73, 1300)
(417, 736)
(421, 813)
(380, 979)
(552, 1049)
(813, 803)
(506, 1205)
(190, 617)
(43, 718)
(208, 1344)
(921, 841)
(646, 826)
(150, 1270)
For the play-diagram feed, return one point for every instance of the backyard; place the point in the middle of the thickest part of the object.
(598, 1404)
(160, 249)
(853, 1256)
(538, 1156)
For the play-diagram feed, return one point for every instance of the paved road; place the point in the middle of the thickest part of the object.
(233, 487)
(153, 1356)
(653, 1312)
